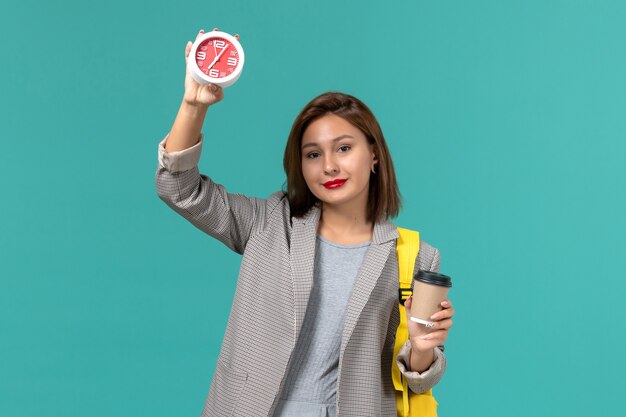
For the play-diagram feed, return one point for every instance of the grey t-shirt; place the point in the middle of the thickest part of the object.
(311, 382)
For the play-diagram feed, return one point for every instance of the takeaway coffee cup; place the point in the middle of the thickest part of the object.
(429, 290)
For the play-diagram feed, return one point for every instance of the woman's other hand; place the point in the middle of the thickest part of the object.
(423, 338)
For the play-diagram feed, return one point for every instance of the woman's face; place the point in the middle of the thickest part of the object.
(333, 149)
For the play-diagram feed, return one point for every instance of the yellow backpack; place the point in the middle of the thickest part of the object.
(408, 403)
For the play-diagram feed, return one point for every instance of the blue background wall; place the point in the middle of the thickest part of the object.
(506, 123)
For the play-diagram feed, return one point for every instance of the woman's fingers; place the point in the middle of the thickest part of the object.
(441, 320)
(439, 335)
(447, 312)
(190, 44)
(443, 324)
(443, 314)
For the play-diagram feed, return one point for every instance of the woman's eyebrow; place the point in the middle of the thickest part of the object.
(333, 140)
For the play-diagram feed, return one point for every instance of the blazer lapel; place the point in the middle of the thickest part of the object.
(383, 239)
(302, 260)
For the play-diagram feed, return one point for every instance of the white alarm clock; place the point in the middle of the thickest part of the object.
(216, 58)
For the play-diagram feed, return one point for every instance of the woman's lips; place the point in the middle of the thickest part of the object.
(334, 184)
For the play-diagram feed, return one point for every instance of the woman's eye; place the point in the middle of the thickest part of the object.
(344, 146)
(311, 154)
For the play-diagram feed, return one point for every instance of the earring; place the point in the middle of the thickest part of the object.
(373, 172)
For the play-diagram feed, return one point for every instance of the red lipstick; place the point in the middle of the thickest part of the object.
(335, 183)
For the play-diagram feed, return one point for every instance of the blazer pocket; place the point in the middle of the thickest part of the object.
(227, 389)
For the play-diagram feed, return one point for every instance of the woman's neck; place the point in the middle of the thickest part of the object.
(344, 226)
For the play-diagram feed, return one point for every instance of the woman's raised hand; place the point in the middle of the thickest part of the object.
(200, 94)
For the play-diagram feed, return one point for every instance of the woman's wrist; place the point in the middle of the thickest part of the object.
(187, 127)
(194, 109)
(421, 361)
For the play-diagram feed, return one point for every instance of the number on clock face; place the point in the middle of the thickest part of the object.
(207, 57)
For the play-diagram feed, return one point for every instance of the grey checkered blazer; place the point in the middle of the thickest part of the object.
(272, 292)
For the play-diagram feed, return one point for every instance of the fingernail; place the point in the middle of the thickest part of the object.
(201, 30)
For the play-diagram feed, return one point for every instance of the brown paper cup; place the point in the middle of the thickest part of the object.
(429, 290)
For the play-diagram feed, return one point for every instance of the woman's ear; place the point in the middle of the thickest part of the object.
(375, 156)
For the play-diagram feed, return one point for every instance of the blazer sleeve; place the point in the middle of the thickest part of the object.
(232, 218)
(420, 382)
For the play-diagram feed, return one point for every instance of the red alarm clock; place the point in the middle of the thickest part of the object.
(217, 58)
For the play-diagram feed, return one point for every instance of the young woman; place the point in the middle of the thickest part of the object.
(312, 328)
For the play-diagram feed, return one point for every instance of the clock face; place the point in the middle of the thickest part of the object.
(217, 57)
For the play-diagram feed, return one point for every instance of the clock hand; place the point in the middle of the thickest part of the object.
(223, 50)
(217, 57)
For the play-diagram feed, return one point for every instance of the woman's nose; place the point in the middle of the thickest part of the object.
(330, 166)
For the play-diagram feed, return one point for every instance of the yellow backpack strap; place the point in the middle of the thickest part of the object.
(407, 249)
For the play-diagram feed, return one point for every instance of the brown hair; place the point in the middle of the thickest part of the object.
(383, 195)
